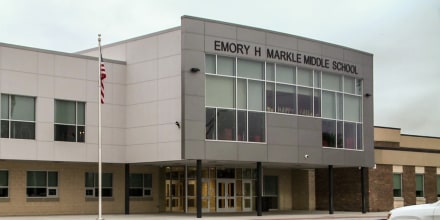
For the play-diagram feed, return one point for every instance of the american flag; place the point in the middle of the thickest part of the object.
(103, 76)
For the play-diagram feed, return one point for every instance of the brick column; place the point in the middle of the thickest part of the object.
(409, 185)
(431, 184)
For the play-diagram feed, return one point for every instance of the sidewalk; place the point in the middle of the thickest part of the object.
(217, 216)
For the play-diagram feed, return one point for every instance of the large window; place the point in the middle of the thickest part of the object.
(17, 117)
(69, 121)
(420, 188)
(397, 185)
(235, 99)
(141, 184)
(42, 184)
(4, 183)
(342, 103)
(240, 92)
(92, 184)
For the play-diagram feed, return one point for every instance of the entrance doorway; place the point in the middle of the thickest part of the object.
(247, 195)
(173, 195)
(206, 204)
(226, 195)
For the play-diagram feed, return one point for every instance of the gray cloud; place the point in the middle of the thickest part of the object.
(403, 35)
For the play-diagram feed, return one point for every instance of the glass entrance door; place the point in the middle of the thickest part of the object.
(205, 195)
(173, 195)
(225, 195)
(247, 195)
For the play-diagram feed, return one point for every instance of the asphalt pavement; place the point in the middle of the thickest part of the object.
(234, 216)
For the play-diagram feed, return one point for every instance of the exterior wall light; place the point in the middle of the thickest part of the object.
(194, 70)
(367, 95)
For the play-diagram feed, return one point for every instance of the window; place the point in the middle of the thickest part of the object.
(141, 185)
(317, 103)
(235, 87)
(239, 93)
(242, 126)
(285, 74)
(438, 185)
(305, 101)
(256, 95)
(211, 124)
(352, 108)
(226, 66)
(270, 191)
(397, 185)
(42, 184)
(420, 185)
(226, 124)
(305, 77)
(328, 104)
(257, 127)
(328, 133)
(349, 85)
(250, 69)
(92, 184)
(69, 121)
(17, 117)
(242, 93)
(286, 99)
(331, 82)
(4, 183)
(220, 91)
(270, 72)
(349, 135)
(270, 97)
(210, 64)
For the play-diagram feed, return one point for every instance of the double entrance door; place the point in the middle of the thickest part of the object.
(226, 195)
(227, 199)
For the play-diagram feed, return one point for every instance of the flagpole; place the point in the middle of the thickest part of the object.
(99, 135)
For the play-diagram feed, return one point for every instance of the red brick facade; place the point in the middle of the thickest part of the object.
(380, 189)
(379, 184)
(409, 185)
(347, 189)
(431, 184)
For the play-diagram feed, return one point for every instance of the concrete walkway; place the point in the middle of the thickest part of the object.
(217, 216)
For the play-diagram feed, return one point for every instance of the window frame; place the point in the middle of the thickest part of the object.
(6, 187)
(401, 184)
(95, 188)
(144, 188)
(422, 195)
(284, 92)
(49, 188)
(10, 121)
(79, 133)
(438, 185)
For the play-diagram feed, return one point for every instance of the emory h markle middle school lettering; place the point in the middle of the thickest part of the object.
(283, 55)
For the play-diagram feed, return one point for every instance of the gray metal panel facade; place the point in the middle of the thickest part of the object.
(291, 139)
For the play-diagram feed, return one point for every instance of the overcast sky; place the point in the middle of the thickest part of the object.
(403, 36)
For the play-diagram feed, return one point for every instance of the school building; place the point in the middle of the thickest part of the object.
(201, 118)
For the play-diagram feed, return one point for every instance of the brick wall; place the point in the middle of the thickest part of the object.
(431, 184)
(321, 188)
(409, 185)
(347, 189)
(71, 190)
(380, 190)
